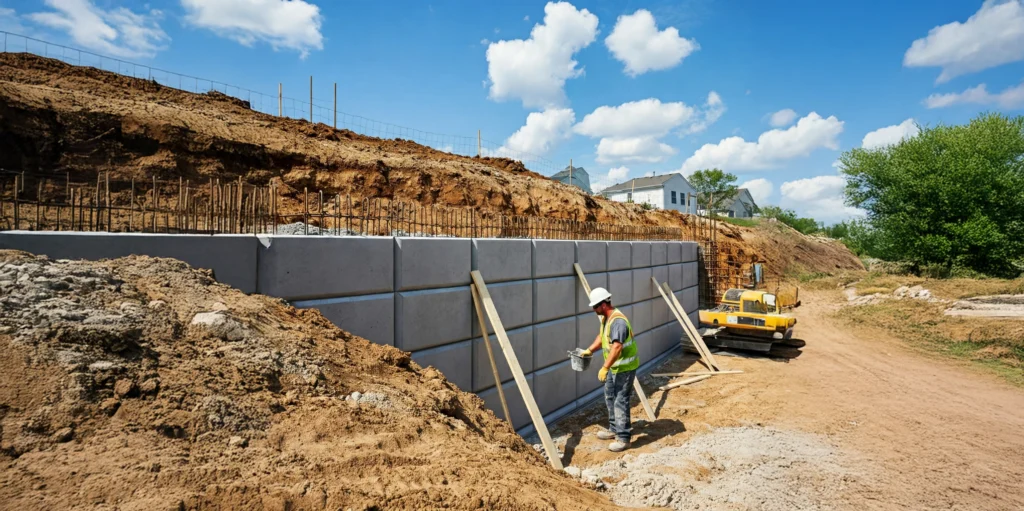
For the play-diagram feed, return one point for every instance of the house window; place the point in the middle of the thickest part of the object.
(629, 196)
(673, 197)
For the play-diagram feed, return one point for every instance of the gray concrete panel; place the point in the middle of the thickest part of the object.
(587, 327)
(424, 319)
(620, 285)
(522, 344)
(644, 345)
(371, 317)
(620, 255)
(556, 387)
(586, 381)
(423, 263)
(690, 299)
(675, 252)
(691, 272)
(553, 258)
(502, 260)
(659, 253)
(582, 300)
(675, 276)
(554, 298)
(516, 406)
(695, 318)
(689, 251)
(310, 267)
(660, 273)
(455, 361)
(643, 289)
(659, 312)
(514, 303)
(641, 318)
(675, 335)
(627, 310)
(592, 255)
(552, 340)
(233, 258)
(641, 254)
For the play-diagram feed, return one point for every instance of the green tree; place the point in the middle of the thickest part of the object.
(789, 217)
(950, 196)
(713, 185)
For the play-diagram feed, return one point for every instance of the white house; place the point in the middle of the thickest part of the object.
(669, 191)
(576, 176)
(740, 206)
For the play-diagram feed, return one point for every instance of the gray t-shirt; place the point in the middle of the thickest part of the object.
(620, 332)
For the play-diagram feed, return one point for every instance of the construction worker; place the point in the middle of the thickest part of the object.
(619, 370)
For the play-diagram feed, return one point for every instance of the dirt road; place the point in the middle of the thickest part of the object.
(857, 421)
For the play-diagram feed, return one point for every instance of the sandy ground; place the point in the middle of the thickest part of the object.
(858, 421)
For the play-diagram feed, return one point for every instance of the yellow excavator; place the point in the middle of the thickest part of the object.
(753, 320)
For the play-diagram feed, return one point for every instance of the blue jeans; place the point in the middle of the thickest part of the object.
(618, 390)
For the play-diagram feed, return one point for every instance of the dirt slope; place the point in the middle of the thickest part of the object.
(58, 117)
(114, 396)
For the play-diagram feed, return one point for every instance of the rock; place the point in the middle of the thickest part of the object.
(219, 324)
(63, 435)
(109, 406)
(150, 386)
(157, 304)
(219, 306)
(574, 471)
(237, 441)
(355, 396)
(924, 294)
(901, 291)
(101, 365)
(125, 388)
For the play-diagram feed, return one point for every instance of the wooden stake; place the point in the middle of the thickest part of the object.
(698, 343)
(490, 352)
(310, 98)
(280, 101)
(639, 389)
(131, 207)
(684, 382)
(517, 372)
(335, 105)
(695, 373)
(106, 179)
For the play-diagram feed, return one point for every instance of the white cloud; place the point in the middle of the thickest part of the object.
(636, 118)
(614, 176)
(820, 198)
(118, 32)
(637, 42)
(534, 70)
(760, 189)
(782, 118)
(10, 22)
(526, 18)
(991, 37)
(890, 135)
(1011, 97)
(288, 24)
(713, 110)
(542, 132)
(772, 147)
(633, 150)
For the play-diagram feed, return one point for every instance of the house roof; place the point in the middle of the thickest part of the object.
(739, 191)
(641, 182)
(580, 178)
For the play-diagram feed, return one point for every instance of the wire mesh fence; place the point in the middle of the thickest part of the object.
(310, 109)
(56, 202)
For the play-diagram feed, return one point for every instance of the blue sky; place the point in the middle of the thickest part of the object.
(622, 88)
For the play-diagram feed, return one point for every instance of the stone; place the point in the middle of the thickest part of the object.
(157, 304)
(125, 388)
(150, 386)
(237, 441)
(220, 325)
(109, 406)
(574, 472)
(63, 435)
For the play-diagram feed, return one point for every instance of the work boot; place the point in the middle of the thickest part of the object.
(604, 434)
(618, 446)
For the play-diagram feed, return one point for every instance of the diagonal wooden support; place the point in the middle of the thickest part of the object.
(680, 314)
(639, 389)
(517, 371)
(490, 352)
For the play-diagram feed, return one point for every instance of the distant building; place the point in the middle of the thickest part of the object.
(740, 206)
(669, 191)
(580, 178)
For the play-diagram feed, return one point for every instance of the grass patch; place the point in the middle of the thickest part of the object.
(994, 344)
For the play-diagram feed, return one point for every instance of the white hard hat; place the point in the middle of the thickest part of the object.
(598, 295)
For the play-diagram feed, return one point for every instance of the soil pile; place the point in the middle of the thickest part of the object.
(140, 383)
(81, 120)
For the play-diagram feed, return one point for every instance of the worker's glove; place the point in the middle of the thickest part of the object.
(602, 374)
(586, 353)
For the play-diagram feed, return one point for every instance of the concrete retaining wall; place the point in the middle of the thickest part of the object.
(413, 293)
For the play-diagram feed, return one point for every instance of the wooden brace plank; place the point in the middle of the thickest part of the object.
(490, 352)
(639, 389)
(695, 373)
(517, 371)
(693, 329)
(680, 315)
(685, 382)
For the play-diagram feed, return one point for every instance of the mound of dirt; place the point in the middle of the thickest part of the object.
(80, 120)
(141, 383)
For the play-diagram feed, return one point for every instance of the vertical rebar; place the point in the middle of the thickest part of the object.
(131, 207)
(106, 179)
(305, 204)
